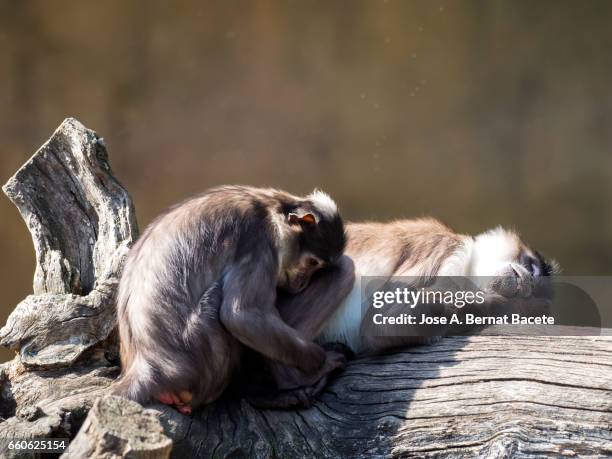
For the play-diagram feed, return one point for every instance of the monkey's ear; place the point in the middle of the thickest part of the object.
(306, 219)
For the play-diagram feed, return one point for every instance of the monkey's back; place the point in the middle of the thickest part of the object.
(171, 288)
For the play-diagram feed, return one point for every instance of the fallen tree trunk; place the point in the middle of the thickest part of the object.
(488, 396)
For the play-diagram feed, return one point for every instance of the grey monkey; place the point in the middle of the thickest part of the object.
(201, 284)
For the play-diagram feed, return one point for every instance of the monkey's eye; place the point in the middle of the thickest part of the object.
(313, 262)
(531, 264)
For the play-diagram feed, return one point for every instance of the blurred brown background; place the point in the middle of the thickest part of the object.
(477, 112)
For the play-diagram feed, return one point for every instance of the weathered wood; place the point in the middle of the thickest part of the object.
(120, 428)
(82, 224)
(78, 214)
(461, 397)
(49, 403)
(488, 396)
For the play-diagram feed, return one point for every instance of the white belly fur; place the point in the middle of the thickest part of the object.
(344, 325)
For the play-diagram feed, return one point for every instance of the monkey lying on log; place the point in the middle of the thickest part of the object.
(201, 283)
(514, 276)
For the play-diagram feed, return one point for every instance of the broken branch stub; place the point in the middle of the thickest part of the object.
(117, 427)
(82, 223)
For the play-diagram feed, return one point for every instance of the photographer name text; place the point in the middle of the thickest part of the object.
(468, 319)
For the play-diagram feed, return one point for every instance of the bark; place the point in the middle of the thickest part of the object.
(82, 224)
(482, 395)
(118, 427)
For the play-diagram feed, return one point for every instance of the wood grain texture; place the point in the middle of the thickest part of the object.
(82, 224)
(462, 397)
(51, 403)
(119, 428)
(77, 212)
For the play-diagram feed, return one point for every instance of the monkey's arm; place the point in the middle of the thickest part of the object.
(249, 313)
(309, 311)
(378, 338)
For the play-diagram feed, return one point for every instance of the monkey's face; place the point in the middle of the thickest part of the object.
(315, 238)
(295, 278)
(508, 266)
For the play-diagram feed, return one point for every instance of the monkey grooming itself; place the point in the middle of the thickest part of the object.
(201, 283)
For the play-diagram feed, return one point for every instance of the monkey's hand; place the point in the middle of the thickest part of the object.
(520, 292)
(297, 389)
(288, 378)
(339, 348)
(511, 286)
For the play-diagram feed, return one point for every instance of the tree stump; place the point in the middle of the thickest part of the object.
(120, 428)
(482, 395)
(82, 224)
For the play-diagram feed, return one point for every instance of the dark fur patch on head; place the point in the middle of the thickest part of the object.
(543, 285)
(548, 269)
(326, 239)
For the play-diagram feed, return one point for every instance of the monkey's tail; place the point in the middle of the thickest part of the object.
(136, 382)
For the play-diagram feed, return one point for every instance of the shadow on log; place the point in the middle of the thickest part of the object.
(487, 396)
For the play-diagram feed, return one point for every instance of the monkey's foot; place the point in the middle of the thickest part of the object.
(180, 401)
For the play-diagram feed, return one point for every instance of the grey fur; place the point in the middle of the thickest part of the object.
(201, 282)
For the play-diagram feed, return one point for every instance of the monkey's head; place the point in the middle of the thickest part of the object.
(514, 268)
(316, 239)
